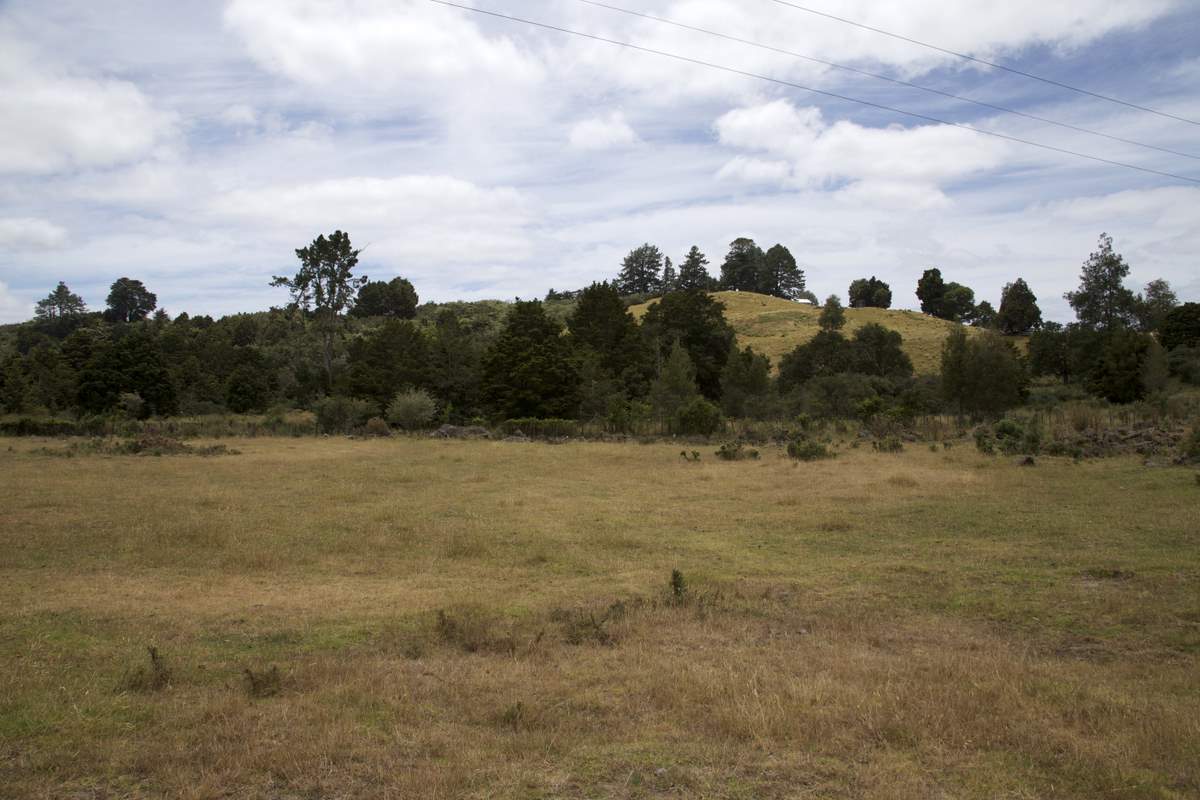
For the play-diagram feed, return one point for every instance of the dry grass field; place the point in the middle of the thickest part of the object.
(775, 327)
(478, 619)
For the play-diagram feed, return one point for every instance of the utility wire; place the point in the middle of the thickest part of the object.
(985, 63)
(781, 82)
(877, 76)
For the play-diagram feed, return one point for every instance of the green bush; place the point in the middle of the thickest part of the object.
(888, 444)
(735, 451)
(339, 414)
(699, 417)
(804, 449)
(1189, 448)
(412, 409)
(376, 426)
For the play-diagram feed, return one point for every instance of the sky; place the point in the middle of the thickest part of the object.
(194, 146)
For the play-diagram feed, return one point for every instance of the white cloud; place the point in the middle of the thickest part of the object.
(30, 233)
(819, 153)
(11, 308)
(603, 133)
(429, 218)
(386, 43)
(240, 115)
(55, 121)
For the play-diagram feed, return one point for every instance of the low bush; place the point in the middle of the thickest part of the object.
(412, 409)
(888, 444)
(1189, 448)
(343, 414)
(263, 683)
(736, 451)
(698, 418)
(804, 449)
(377, 427)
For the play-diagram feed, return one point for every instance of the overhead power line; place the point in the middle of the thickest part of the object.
(835, 95)
(877, 76)
(985, 63)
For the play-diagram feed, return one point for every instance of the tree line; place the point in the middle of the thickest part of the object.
(351, 349)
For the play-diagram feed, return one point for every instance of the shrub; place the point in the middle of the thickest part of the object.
(377, 427)
(888, 444)
(985, 441)
(131, 405)
(339, 414)
(412, 409)
(678, 586)
(264, 683)
(804, 449)
(699, 417)
(735, 451)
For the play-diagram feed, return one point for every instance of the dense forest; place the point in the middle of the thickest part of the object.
(352, 350)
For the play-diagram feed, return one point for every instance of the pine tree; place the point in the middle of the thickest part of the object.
(641, 271)
(60, 303)
(1102, 302)
(692, 273)
(743, 266)
(779, 275)
(670, 280)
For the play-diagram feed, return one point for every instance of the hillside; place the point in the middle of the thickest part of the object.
(775, 327)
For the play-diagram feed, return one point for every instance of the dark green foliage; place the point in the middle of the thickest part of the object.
(1154, 306)
(325, 285)
(888, 444)
(393, 357)
(1184, 363)
(1118, 375)
(985, 316)
(982, 375)
(958, 303)
(641, 271)
(540, 428)
(675, 385)
(248, 389)
(456, 366)
(129, 301)
(678, 586)
(931, 290)
(1181, 327)
(803, 448)
(736, 451)
(833, 316)
(693, 273)
(698, 417)
(395, 299)
(745, 383)
(412, 409)
(669, 282)
(1189, 448)
(698, 323)
(602, 326)
(1019, 313)
(870, 293)
(15, 391)
(876, 350)
(1102, 302)
(59, 304)
(529, 370)
(1009, 436)
(779, 275)
(743, 266)
(131, 364)
(337, 414)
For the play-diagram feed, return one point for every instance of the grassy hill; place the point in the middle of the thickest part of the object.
(775, 327)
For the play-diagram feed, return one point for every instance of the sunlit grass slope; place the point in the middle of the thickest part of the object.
(775, 327)
(928, 624)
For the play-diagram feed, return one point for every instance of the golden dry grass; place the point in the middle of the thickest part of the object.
(774, 326)
(926, 624)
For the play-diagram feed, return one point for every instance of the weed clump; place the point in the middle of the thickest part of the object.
(152, 677)
(584, 627)
(263, 683)
(678, 587)
(804, 449)
(888, 444)
(736, 451)
(376, 426)
(471, 630)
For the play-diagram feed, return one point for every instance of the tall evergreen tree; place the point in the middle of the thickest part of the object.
(1019, 313)
(670, 278)
(326, 285)
(1102, 302)
(528, 370)
(396, 299)
(603, 325)
(745, 382)
(833, 316)
(641, 271)
(60, 303)
(698, 322)
(743, 266)
(1154, 306)
(692, 273)
(779, 275)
